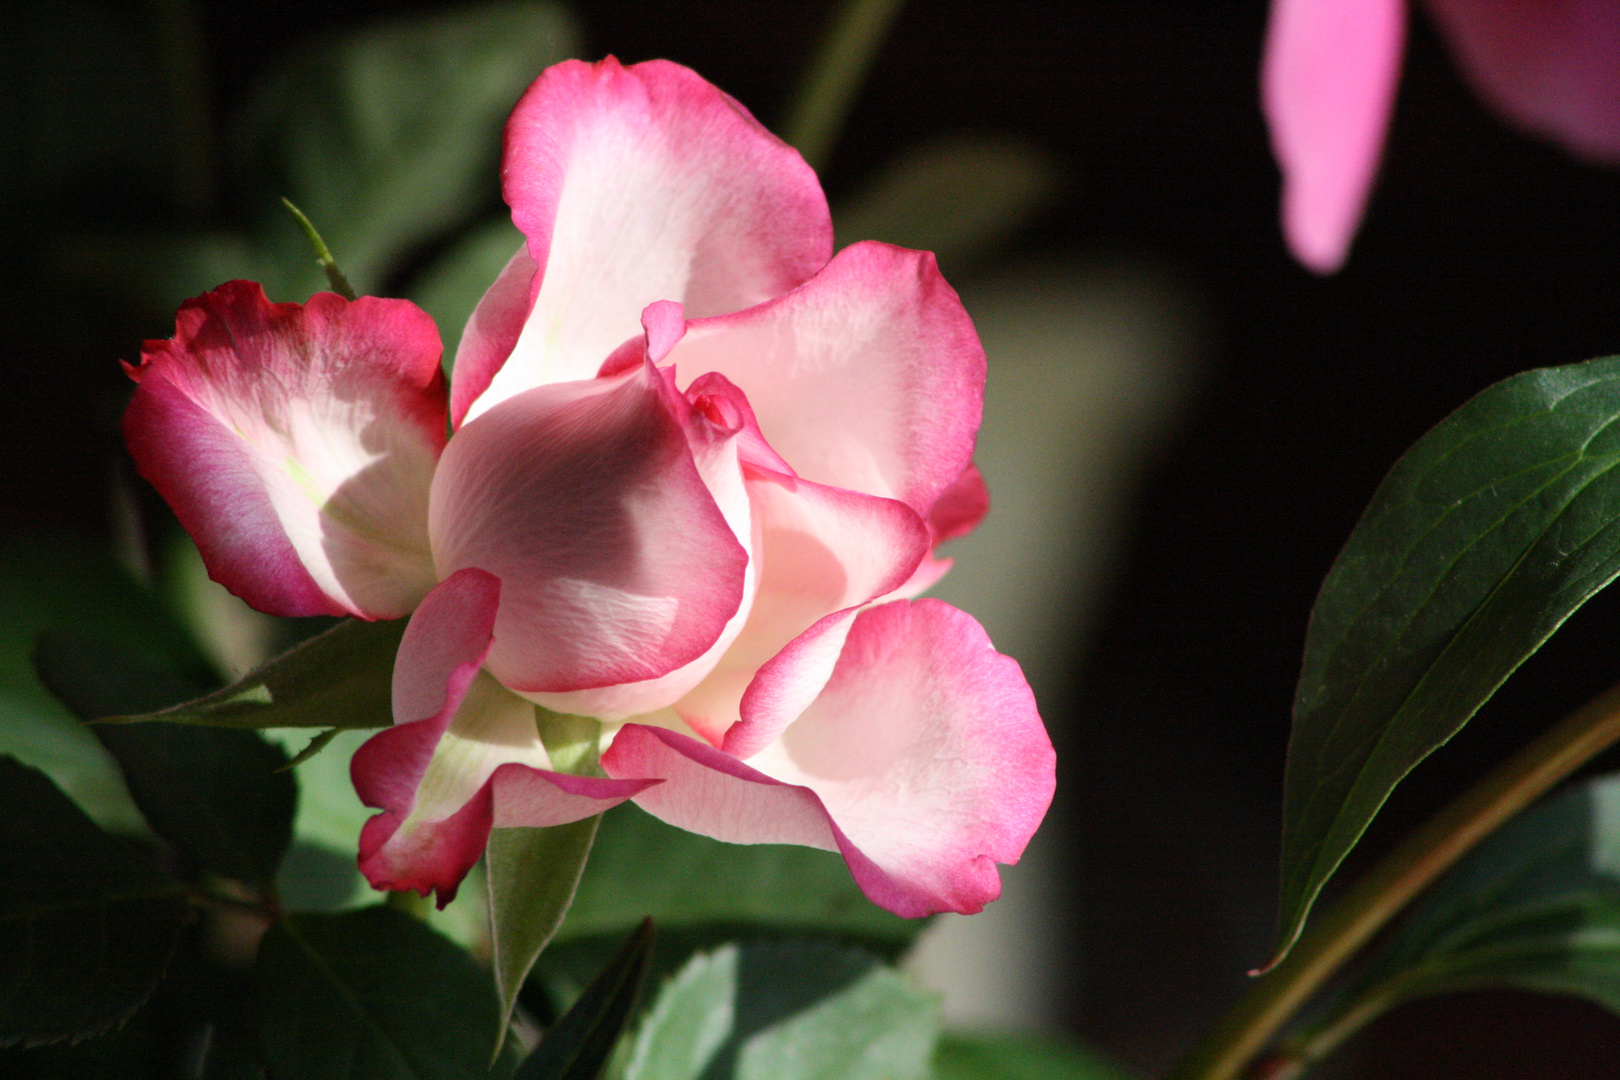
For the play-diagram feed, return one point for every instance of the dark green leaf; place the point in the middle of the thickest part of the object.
(372, 995)
(220, 797)
(1534, 906)
(87, 921)
(55, 581)
(389, 137)
(1024, 1056)
(532, 876)
(579, 1044)
(1484, 538)
(641, 866)
(341, 678)
(786, 1010)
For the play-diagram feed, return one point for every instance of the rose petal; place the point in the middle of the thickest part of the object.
(822, 550)
(464, 754)
(869, 377)
(1553, 66)
(296, 444)
(634, 185)
(923, 762)
(617, 565)
(1327, 85)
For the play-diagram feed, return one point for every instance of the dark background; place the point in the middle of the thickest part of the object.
(1483, 253)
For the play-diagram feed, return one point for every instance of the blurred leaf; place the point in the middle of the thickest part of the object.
(342, 678)
(956, 196)
(55, 581)
(390, 136)
(786, 1010)
(578, 1045)
(218, 796)
(641, 866)
(1535, 906)
(1024, 1056)
(1488, 533)
(532, 877)
(87, 922)
(372, 995)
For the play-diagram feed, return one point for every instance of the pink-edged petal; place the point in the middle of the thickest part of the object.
(786, 684)
(960, 507)
(1552, 66)
(492, 332)
(616, 562)
(822, 550)
(923, 762)
(640, 184)
(1327, 85)
(869, 377)
(464, 754)
(296, 444)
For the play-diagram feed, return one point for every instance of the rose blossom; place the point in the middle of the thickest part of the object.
(700, 532)
(1328, 84)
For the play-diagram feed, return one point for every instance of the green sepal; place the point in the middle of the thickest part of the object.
(338, 679)
(532, 876)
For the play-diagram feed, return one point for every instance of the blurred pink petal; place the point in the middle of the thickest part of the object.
(1551, 66)
(1327, 87)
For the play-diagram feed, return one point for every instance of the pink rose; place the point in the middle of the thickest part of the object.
(1328, 84)
(700, 531)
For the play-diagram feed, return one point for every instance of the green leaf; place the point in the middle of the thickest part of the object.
(786, 1010)
(579, 1044)
(641, 866)
(341, 678)
(372, 995)
(54, 581)
(220, 797)
(1535, 906)
(1482, 540)
(1025, 1056)
(532, 874)
(87, 921)
(389, 137)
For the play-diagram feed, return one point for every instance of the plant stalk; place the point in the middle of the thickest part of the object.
(836, 76)
(1395, 880)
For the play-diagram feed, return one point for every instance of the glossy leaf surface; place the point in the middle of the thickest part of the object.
(1493, 529)
(786, 1010)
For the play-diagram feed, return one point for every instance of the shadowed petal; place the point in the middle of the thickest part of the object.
(617, 564)
(464, 755)
(296, 444)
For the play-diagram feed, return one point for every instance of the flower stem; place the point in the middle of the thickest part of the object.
(836, 75)
(323, 254)
(1395, 880)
